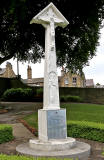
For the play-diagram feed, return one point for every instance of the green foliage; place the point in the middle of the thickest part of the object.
(5, 133)
(39, 91)
(18, 94)
(17, 157)
(69, 98)
(76, 43)
(103, 153)
(7, 83)
(84, 121)
(86, 130)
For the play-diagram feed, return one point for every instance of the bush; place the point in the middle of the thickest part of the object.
(5, 133)
(69, 98)
(86, 130)
(39, 91)
(18, 94)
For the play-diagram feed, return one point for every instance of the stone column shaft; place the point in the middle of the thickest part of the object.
(51, 91)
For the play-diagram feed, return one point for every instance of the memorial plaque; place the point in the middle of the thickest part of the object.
(56, 124)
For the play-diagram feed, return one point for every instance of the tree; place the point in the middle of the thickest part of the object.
(75, 44)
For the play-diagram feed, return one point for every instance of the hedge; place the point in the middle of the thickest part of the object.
(69, 98)
(17, 157)
(5, 133)
(87, 130)
(7, 83)
(18, 94)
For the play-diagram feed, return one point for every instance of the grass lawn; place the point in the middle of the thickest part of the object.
(85, 112)
(75, 112)
(18, 157)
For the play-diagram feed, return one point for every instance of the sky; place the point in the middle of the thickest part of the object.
(94, 71)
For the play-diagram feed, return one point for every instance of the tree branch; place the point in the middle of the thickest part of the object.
(5, 58)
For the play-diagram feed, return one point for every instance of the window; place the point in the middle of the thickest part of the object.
(66, 81)
(74, 80)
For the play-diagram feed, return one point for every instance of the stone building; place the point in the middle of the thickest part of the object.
(7, 72)
(67, 79)
(89, 83)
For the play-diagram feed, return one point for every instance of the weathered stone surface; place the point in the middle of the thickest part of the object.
(50, 17)
(80, 151)
(53, 145)
(52, 124)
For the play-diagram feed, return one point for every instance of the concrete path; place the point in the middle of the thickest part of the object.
(19, 131)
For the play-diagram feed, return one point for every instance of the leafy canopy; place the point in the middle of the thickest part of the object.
(75, 44)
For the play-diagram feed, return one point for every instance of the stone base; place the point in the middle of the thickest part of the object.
(81, 151)
(53, 145)
(52, 124)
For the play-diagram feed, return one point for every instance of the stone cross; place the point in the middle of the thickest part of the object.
(50, 17)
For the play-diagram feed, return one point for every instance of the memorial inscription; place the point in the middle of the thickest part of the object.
(56, 124)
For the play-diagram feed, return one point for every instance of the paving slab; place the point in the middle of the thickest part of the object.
(20, 131)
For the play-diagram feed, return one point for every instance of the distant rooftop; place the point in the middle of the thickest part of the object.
(89, 82)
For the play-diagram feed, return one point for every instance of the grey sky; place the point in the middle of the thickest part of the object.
(95, 70)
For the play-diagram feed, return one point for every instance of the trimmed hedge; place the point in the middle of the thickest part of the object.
(69, 98)
(86, 130)
(39, 91)
(7, 83)
(18, 94)
(5, 133)
(16, 157)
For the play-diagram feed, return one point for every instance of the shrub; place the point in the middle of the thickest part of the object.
(18, 94)
(39, 91)
(69, 98)
(5, 133)
(86, 130)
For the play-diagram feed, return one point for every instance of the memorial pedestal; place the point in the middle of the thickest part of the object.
(52, 124)
(52, 130)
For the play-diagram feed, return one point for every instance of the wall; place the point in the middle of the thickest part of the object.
(89, 95)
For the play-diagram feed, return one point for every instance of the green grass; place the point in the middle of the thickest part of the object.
(16, 157)
(75, 112)
(85, 112)
(32, 119)
(83, 121)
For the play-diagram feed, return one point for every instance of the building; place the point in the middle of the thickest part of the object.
(67, 79)
(89, 83)
(7, 72)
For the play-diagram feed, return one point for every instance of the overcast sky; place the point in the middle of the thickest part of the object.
(94, 71)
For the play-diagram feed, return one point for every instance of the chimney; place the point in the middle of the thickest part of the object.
(29, 72)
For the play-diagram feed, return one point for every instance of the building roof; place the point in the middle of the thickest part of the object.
(89, 82)
(33, 80)
(2, 70)
(36, 80)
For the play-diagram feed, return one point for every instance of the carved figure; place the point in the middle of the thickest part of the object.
(53, 87)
